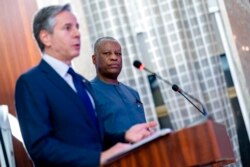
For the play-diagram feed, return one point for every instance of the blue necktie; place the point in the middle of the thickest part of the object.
(82, 93)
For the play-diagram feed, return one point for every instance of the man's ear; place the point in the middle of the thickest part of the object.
(94, 59)
(45, 38)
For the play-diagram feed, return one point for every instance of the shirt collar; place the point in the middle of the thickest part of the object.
(60, 67)
(105, 83)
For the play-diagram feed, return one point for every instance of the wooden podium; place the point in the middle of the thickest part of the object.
(205, 144)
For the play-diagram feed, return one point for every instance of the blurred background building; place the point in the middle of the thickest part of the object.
(200, 45)
(187, 42)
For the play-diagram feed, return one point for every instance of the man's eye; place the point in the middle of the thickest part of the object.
(67, 28)
(106, 53)
(118, 54)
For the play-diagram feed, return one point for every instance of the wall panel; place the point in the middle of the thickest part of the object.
(18, 52)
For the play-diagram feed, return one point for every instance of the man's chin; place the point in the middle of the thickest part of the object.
(112, 75)
(75, 54)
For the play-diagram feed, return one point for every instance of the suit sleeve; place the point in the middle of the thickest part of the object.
(33, 115)
(110, 139)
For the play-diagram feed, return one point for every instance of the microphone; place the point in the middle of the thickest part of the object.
(141, 67)
(176, 88)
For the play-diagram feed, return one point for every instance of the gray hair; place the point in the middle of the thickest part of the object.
(45, 20)
(99, 40)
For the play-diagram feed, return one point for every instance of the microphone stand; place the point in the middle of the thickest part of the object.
(184, 94)
(157, 76)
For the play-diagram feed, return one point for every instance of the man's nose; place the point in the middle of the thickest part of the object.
(77, 32)
(114, 56)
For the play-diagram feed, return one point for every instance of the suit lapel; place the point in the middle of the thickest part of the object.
(61, 84)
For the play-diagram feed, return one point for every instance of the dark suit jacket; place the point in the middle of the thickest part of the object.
(54, 124)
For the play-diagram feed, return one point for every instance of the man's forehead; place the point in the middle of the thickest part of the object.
(108, 41)
(66, 17)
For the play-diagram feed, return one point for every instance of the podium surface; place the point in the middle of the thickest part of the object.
(205, 144)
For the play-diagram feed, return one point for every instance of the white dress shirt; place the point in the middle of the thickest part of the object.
(62, 69)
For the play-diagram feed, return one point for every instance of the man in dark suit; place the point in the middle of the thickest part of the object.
(56, 124)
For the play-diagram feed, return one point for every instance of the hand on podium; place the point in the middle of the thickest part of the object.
(117, 148)
(135, 134)
(140, 131)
